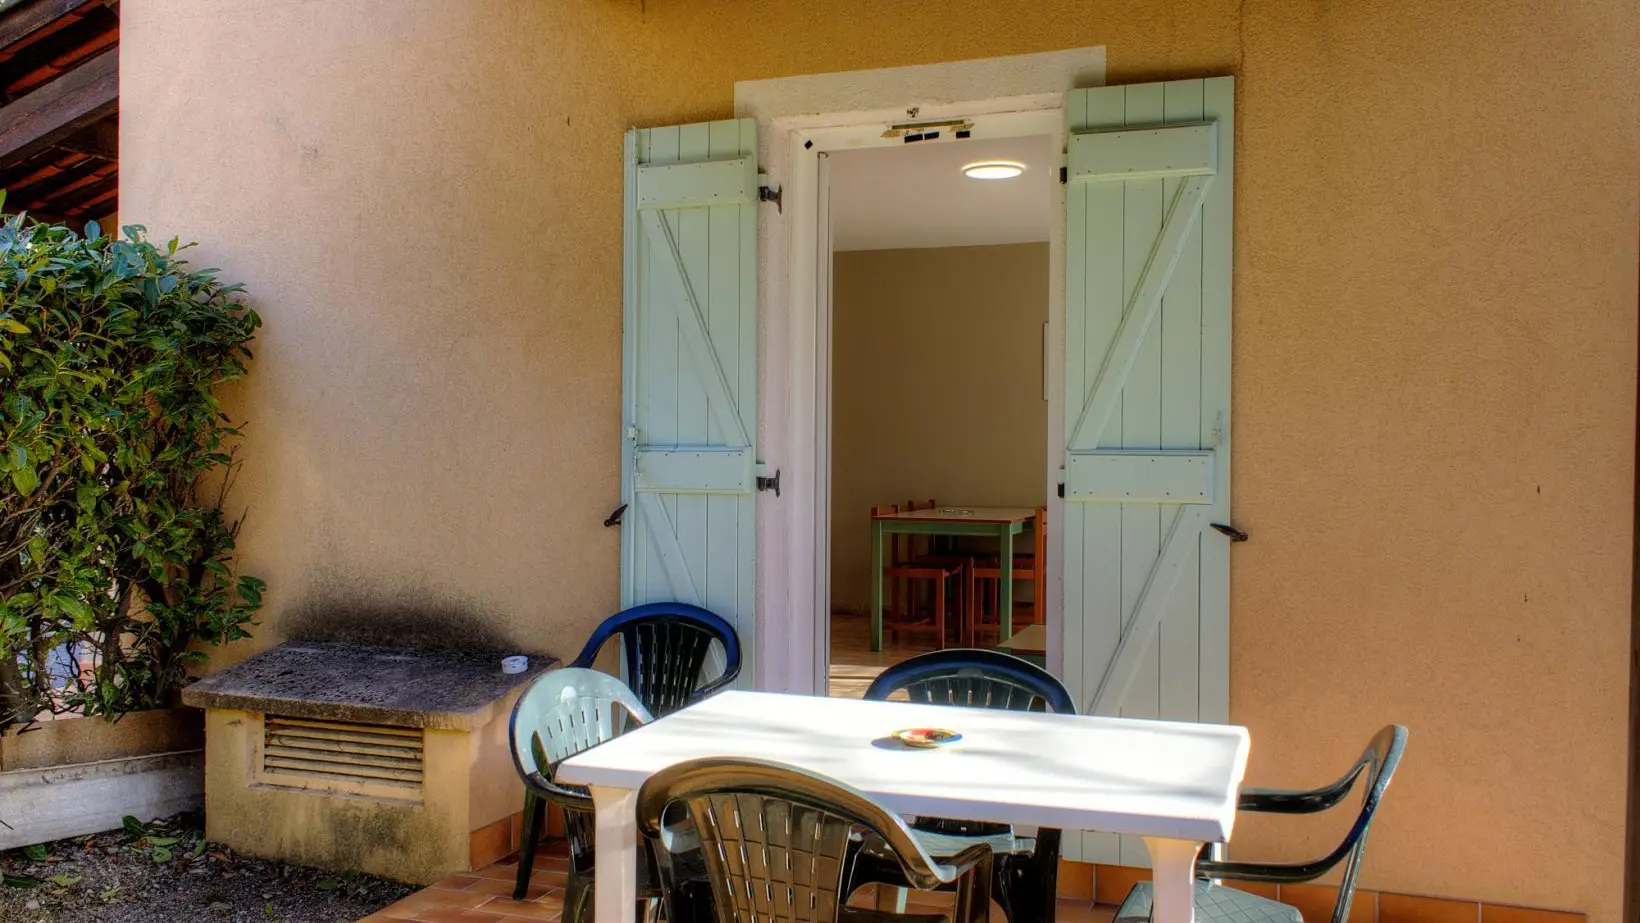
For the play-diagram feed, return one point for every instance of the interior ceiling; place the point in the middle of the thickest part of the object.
(915, 196)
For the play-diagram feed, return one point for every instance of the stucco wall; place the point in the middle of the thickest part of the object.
(1434, 360)
(936, 388)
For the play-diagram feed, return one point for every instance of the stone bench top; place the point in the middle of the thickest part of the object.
(368, 685)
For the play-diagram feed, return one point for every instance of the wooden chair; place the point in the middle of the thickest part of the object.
(901, 570)
(927, 549)
(985, 584)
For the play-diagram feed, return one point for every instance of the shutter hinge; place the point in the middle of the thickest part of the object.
(766, 194)
(773, 483)
(1064, 175)
(615, 517)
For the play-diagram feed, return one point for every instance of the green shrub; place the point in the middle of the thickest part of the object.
(110, 353)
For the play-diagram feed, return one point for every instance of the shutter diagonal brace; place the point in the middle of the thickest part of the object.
(692, 324)
(665, 536)
(1147, 609)
(1141, 311)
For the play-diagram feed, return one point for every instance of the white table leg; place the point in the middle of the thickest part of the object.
(616, 897)
(1173, 873)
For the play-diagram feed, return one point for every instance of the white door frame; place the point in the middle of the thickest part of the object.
(794, 407)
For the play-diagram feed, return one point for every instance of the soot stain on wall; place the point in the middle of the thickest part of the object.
(355, 617)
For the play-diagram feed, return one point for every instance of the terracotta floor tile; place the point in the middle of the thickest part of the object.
(1076, 910)
(457, 883)
(421, 901)
(503, 887)
(501, 871)
(542, 910)
(511, 919)
(458, 915)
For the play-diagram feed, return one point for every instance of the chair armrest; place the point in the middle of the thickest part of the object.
(716, 685)
(561, 795)
(951, 868)
(1285, 801)
(1267, 872)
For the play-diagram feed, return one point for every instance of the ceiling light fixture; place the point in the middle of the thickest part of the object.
(993, 169)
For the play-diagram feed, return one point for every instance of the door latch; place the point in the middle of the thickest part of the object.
(1231, 532)
(773, 483)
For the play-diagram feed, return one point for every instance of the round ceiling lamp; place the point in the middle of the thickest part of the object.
(993, 169)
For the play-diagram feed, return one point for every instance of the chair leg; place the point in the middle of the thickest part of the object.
(974, 893)
(890, 899)
(578, 899)
(968, 607)
(939, 611)
(535, 812)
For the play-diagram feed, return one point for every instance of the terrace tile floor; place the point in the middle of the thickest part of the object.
(485, 896)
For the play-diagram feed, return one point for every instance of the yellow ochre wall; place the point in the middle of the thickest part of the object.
(1434, 397)
(936, 358)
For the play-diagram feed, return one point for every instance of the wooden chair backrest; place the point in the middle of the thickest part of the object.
(893, 549)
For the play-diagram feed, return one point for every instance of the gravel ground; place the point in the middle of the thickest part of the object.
(166, 872)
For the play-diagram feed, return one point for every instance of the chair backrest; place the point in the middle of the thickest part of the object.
(895, 554)
(1374, 768)
(565, 712)
(1039, 535)
(666, 647)
(976, 679)
(918, 545)
(775, 838)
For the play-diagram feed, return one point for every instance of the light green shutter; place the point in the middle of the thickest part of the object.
(690, 370)
(1147, 455)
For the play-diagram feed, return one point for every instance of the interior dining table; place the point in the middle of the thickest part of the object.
(1001, 523)
(1173, 784)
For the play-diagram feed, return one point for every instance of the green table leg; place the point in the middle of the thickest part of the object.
(1005, 582)
(876, 585)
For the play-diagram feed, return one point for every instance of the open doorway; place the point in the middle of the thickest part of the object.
(940, 295)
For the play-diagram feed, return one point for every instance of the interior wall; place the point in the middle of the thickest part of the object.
(936, 388)
(1434, 357)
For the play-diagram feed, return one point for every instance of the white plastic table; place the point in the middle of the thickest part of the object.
(1173, 784)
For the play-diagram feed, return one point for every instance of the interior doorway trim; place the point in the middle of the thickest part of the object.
(799, 120)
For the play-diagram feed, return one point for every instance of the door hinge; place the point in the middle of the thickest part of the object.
(767, 194)
(1064, 175)
(1061, 491)
(773, 483)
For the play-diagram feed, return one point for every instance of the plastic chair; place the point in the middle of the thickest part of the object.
(1027, 868)
(666, 647)
(779, 841)
(1216, 903)
(561, 714)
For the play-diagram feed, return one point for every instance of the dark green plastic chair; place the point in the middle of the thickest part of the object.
(1216, 903)
(667, 647)
(561, 714)
(779, 844)
(1027, 868)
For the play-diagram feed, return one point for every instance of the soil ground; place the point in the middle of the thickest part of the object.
(166, 872)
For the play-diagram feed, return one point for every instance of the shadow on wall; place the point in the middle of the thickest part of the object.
(422, 625)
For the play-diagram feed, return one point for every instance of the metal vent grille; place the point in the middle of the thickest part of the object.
(341, 756)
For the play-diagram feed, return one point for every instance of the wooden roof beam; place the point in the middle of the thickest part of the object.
(21, 19)
(78, 98)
